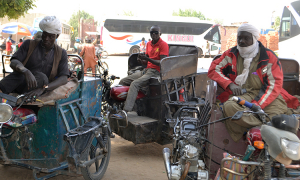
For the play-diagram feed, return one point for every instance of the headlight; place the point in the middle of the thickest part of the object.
(291, 149)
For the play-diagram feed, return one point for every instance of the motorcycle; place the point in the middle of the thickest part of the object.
(100, 52)
(271, 147)
(74, 64)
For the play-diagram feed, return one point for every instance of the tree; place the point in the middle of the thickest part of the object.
(74, 21)
(128, 13)
(14, 9)
(190, 13)
(219, 21)
(276, 23)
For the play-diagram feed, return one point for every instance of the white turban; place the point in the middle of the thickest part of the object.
(248, 53)
(51, 25)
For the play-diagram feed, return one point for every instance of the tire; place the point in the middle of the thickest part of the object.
(134, 49)
(101, 67)
(92, 172)
(104, 54)
(200, 52)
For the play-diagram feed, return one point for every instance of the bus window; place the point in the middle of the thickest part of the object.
(286, 23)
(188, 30)
(216, 38)
(171, 30)
(296, 6)
(180, 30)
(295, 30)
(213, 35)
(135, 28)
(126, 28)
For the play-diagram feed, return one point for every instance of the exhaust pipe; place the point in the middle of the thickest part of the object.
(166, 156)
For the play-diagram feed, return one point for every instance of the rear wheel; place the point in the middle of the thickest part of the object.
(104, 54)
(134, 49)
(97, 170)
(200, 52)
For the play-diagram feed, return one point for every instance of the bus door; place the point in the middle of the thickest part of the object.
(213, 36)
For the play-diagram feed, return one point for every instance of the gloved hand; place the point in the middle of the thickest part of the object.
(236, 90)
(30, 79)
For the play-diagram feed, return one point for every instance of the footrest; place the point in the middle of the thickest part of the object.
(140, 129)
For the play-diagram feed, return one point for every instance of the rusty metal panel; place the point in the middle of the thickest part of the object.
(290, 69)
(178, 66)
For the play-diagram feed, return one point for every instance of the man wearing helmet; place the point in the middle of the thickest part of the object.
(38, 65)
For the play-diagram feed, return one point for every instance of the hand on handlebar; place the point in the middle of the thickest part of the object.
(32, 95)
(236, 90)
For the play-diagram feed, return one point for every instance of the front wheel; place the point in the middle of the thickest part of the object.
(134, 49)
(104, 54)
(97, 170)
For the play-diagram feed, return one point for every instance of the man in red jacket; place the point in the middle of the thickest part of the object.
(255, 68)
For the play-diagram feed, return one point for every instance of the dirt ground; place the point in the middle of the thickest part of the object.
(127, 162)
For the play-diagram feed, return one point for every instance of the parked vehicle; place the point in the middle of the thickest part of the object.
(69, 136)
(179, 105)
(100, 52)
(124, 34)
(75, 64)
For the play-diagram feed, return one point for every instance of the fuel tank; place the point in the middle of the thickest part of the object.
(119, 93)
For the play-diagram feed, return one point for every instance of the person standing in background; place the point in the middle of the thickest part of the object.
(8, 46)
(89, 56)
(207, 49)
(143, 45)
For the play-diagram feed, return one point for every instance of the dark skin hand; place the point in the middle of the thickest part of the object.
(51, 86)
(155, 38)
(17, 66)
(236, 90)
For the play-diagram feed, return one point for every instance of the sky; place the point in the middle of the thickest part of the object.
(256, 12)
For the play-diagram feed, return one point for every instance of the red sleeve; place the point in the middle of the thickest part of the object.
(164, 49)
(217, 69)
(272, 82)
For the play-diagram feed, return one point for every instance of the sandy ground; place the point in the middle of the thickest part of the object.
(128, 161)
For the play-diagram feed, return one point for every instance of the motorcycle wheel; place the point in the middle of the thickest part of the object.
(104, 54)
(97, 170)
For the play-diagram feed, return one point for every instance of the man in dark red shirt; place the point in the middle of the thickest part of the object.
(156, 50)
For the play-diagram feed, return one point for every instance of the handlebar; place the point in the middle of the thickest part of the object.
(256, 109)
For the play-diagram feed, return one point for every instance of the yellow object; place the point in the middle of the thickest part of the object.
(259, 144)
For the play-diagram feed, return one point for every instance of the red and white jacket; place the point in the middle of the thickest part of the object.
(223, 71)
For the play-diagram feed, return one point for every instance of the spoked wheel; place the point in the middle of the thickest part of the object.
(97, 170)
(101, 67)
(104, 54)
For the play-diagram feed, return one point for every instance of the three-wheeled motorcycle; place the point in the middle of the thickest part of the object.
(58, 136)
(180, 106)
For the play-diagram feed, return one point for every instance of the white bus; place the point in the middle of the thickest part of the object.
(124, 34)
(64, 39)
(289, 32)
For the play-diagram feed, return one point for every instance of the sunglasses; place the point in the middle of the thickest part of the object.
(154, 32)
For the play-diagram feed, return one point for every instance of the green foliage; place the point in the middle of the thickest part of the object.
(190, 13)
(75, 19)
(219, 21)
(14, 9)
(276, 23)
(128, 13)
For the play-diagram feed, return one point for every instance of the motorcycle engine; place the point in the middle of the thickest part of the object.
(187, 152)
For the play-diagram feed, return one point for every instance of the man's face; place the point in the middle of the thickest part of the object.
(48, 39)
(244, 39)
(155, 33)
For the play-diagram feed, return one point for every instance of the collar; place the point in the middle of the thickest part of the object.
(263, 51)
(158, 42)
